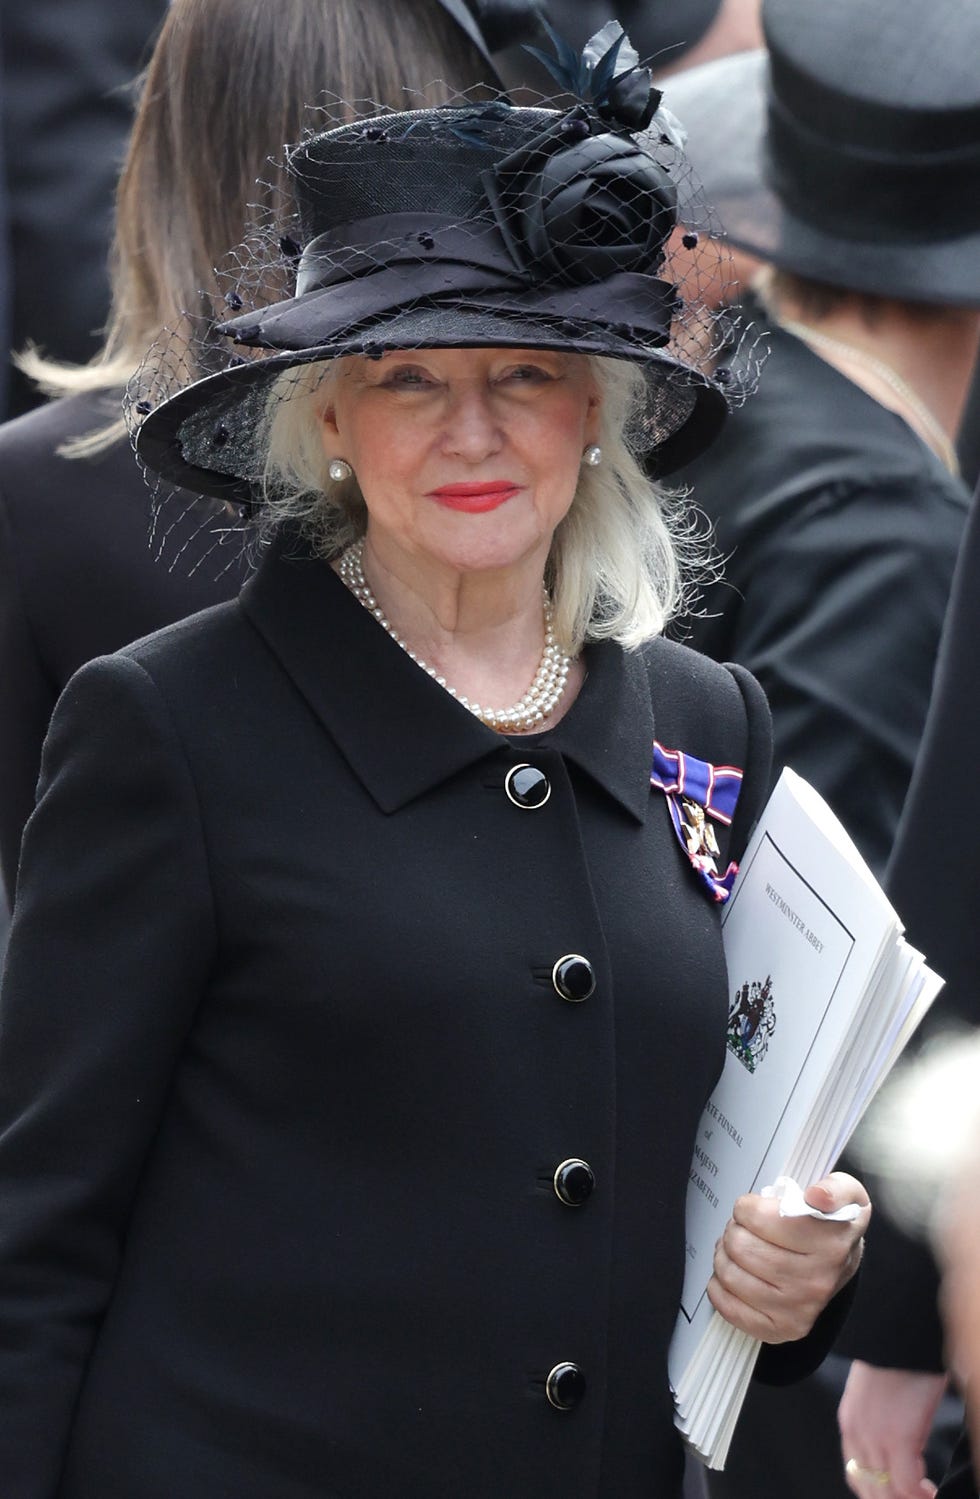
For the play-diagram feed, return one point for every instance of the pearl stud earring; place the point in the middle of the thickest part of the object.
(592, 456)
(339, 470)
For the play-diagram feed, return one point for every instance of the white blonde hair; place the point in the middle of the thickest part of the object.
(623, 560)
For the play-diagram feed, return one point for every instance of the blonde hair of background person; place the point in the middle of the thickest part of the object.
(269, 60)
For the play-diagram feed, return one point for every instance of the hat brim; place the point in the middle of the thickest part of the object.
(724, 108)
(191, 439)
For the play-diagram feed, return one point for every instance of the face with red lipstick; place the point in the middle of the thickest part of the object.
(468, 458)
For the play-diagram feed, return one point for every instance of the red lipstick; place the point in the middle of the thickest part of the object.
(475, 499)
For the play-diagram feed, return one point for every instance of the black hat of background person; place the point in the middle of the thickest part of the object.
(484, 225)
(851, 154)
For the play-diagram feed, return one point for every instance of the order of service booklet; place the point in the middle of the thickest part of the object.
(823, 995)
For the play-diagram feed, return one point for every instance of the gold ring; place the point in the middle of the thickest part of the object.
(854, 1469)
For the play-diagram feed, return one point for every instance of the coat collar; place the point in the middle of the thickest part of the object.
(400, 732)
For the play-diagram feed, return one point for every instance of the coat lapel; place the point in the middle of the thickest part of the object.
(401, 733)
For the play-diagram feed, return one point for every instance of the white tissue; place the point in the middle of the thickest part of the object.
(792, 1203)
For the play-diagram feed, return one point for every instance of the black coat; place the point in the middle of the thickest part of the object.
(286, 1076)
(78, 578)
(66, 107)
(930, 880)
(840, 531)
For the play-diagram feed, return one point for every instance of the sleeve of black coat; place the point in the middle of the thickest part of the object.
(110, 945)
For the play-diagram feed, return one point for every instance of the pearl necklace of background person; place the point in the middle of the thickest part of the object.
(538, 702)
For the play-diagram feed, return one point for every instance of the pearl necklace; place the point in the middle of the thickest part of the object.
(540, 699)
(935, 436)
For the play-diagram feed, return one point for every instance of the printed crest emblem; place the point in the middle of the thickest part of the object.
(751, 1022)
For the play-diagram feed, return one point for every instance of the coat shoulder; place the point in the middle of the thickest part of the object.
(217, 638)
(211, 673)
(706, 692)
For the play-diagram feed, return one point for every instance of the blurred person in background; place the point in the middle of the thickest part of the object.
(847, 161)
(668, 34)
(834, 491)
(959, 1245)
(65, 111)
(901, 1350)
(228, 85)
(5, 274)
(968, 438)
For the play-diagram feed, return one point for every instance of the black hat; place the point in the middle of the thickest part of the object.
(851, 154)
(477, 225)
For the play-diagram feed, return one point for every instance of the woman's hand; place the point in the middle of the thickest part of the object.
(885, 1417)
(773, 1276)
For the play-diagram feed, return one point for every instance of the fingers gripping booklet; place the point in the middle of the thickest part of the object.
(823, 995)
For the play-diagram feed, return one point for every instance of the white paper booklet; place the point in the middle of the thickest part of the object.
(823, 995)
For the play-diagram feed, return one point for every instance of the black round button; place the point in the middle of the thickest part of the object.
(574, 978)
(527, 787)
(565, 1386)
(574, 1182)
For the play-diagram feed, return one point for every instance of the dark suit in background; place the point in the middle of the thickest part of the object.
(840, 531)
(968, 441)
(5, 272)
(78, 579)
(661, 31)
(931, 880)
(65, 113)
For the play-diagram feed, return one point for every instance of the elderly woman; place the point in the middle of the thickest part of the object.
(362, 998)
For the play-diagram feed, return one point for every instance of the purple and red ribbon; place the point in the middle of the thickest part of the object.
(714, 788)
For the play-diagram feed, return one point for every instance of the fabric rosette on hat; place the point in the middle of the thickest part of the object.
(574, 207)
(470, 225)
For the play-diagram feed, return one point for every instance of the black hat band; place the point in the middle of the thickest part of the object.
(370, 245)
(361, 271)
(866, 194)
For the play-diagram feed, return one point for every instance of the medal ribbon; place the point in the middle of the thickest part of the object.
(715, 790)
